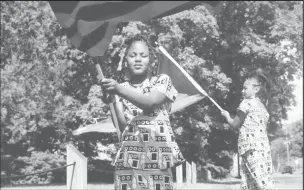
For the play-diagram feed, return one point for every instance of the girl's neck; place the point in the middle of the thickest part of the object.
(138, 79)
(254, 97)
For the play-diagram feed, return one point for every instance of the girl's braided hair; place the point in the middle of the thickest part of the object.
(152, 52)
(140, 38)
(264, 84)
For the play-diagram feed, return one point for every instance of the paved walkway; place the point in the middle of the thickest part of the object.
(282, 181)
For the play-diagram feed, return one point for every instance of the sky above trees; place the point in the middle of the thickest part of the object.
(296, 112)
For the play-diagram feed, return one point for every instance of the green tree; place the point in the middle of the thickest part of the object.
(44, 82)
(35, 110)
(278, 152)
(295, 135)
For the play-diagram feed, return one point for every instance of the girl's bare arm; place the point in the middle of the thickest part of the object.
(143, 102)
(237, 121)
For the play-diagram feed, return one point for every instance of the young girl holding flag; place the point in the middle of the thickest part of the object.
(148, 149)
(253, 144)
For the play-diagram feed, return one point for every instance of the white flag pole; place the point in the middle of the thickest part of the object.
(199, 88)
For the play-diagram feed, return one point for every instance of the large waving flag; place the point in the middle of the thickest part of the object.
(90, 25)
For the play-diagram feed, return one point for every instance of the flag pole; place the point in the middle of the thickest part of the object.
(112, 110)
(199, 88)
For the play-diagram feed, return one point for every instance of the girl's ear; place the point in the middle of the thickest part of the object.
(257, 89)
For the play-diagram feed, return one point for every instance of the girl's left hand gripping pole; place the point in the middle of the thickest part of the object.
(114, 117)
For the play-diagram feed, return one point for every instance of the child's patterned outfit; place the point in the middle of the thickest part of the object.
(148, 149)
(254, 147)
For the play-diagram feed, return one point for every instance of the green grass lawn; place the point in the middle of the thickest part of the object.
(57, 187)
(283, 182)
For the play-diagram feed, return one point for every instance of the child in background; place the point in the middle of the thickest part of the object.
(253, 144)
(148, 149)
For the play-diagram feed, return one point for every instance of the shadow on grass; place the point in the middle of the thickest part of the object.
(229, 181)
(222, 182)
(32, 185)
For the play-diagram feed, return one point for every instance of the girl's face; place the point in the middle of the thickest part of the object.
(250, 88)
(138, 58)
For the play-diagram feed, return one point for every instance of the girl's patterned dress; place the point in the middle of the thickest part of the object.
(254, 147)
(148, 149)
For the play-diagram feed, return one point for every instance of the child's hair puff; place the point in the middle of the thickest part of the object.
(264, 83)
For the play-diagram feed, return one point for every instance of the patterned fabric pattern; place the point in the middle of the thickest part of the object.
(143, 179)
(256, 171)
(254, 147)
(253, 134)
(148, 146)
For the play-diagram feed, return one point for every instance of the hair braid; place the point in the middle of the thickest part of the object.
(264, 92)
(152, 53)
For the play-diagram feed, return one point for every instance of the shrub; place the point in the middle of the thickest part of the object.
(217, 172)
(39, 162)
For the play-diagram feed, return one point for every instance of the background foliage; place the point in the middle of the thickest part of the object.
(48, 88)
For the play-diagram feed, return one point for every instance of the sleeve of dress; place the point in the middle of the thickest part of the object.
(164, 85)
(244, 106)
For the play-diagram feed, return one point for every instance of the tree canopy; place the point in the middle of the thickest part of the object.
(48, 88)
